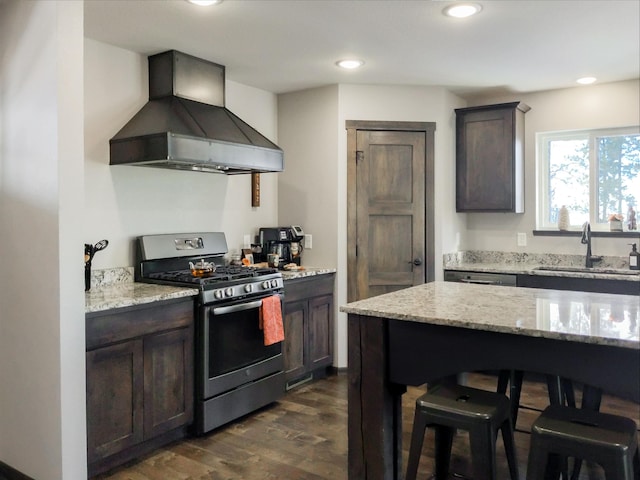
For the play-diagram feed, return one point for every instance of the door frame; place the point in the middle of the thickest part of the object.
(352, 127)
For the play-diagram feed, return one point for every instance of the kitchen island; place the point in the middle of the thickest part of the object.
(424, 333)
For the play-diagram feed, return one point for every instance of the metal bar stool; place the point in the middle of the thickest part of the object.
(561, 432)
(560, 390)
(481, 413)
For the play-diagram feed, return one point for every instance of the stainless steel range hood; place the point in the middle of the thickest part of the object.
(186, 126)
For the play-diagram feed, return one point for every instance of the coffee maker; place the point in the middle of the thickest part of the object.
(286, 242)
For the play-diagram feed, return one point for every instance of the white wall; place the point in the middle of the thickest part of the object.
(412, 104)
(45, 221)
(314, 185)
(596, 106)
(42, 404)
(308, 188)
(122, 202)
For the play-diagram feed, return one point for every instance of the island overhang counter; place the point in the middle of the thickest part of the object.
(421, 334)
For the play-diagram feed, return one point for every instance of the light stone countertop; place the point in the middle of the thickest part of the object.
(586, 317)
(115, 288)
(306, 272)
(610, 268)
(128, 294)
(558, 271)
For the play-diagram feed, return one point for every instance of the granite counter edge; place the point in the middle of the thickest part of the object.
(535, 270)
(491, 328)
(128, 295)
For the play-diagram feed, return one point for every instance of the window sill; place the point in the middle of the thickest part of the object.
(578, 233)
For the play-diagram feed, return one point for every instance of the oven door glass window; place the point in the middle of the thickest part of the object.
(236, 340)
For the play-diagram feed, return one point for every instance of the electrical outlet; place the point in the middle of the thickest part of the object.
(522, 239)
(246, 241)
(308, 241)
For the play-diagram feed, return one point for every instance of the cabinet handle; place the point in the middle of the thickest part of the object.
(480, 282)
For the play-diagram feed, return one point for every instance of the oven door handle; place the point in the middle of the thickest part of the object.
(237, 308)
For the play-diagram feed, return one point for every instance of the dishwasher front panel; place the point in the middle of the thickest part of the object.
(503, 279)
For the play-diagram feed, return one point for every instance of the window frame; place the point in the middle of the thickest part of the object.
(542, 171)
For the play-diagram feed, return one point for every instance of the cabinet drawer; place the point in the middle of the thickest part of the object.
(307, 287)
(131, 322)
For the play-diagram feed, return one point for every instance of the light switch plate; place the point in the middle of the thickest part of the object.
(308, 241)
(246, 241)
(522, 239)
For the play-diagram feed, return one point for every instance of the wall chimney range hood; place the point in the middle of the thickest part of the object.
(186, 126)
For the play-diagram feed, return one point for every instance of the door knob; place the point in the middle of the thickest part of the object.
(417, 261)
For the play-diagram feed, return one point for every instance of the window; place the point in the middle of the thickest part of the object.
(594, 173)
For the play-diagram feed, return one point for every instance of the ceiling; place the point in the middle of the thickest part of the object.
(288, 45)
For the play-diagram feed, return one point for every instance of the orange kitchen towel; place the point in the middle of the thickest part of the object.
(271, 320)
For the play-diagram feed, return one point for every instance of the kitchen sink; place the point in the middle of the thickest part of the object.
(608, 271)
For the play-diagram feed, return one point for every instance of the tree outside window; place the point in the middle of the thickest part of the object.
(595, 174)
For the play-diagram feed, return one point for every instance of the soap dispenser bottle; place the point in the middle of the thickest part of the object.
(634, 258)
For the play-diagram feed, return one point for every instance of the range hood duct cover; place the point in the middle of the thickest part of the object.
(186, 126)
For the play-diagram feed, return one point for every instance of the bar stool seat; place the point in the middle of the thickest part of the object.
(481, 413)
(560, 432)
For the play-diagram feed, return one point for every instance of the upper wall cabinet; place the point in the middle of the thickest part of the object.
(490, 158)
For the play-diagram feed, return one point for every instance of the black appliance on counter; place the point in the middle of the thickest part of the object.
(235, 372)
(286, 242)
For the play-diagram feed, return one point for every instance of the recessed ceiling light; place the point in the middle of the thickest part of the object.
(462, 10)
(586, 80)
(349, 64)
(205, 3)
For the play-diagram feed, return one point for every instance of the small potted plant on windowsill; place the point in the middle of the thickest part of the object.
(615, 222)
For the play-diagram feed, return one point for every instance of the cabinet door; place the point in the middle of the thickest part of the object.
(168, 381)
(294, 348)
(114, 398)
(489, 158)
(321, 331)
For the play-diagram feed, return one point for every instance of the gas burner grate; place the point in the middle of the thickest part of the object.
(222, 274)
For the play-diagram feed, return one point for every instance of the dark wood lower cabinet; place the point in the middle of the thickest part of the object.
(308, 328)
(296, 317)
(114, 399)
(623, 287)
(321, 331)
(139, 380)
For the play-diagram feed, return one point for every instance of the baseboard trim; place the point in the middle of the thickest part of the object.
(338, 371)
(10, 473)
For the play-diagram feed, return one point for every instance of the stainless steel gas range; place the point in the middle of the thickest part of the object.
(235, 372)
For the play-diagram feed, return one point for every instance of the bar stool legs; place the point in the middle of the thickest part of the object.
(481, 413)
(561, 432)
(417, 439)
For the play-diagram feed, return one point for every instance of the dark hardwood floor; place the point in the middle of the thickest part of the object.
(304, 437)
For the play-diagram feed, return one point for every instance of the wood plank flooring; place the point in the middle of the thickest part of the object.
(304, 437)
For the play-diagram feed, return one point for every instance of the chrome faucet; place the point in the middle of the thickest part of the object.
(586, 240)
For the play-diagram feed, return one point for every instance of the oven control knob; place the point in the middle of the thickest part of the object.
(229, 292)
(274, 283)
(265, 285)
(219, 294)
(248, 288)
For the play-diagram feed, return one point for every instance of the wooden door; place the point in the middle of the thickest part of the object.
(390, 206)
